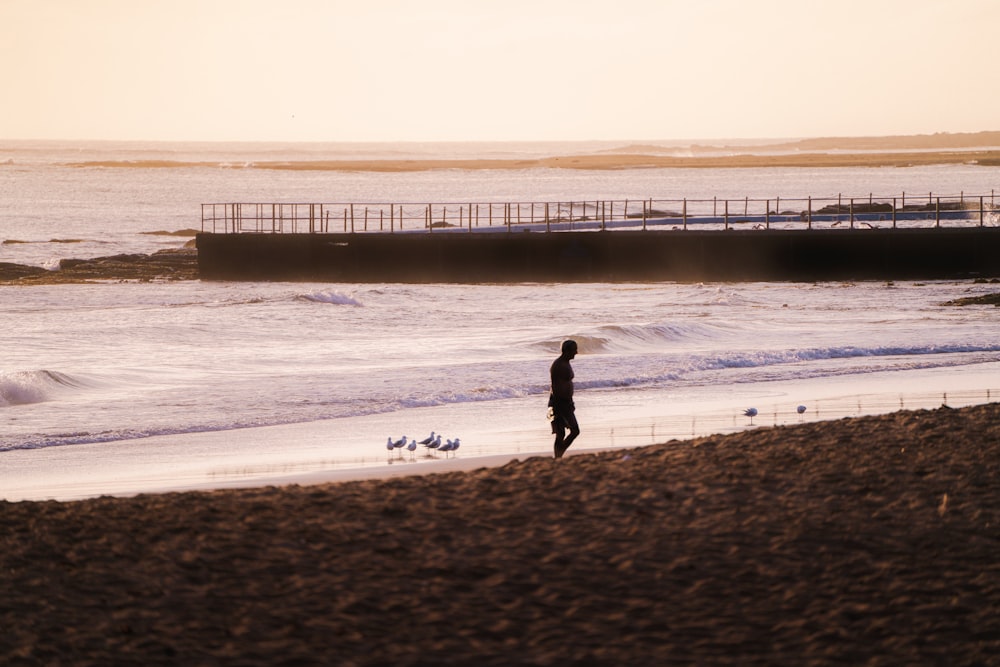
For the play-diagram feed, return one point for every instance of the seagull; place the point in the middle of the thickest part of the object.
(751, 413)
(434, 444)
(399, 444)
(428, 440)
(800, 409)
(388, 444)
(451, 445)
(412, 447)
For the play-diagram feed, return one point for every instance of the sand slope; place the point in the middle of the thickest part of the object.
(861, 541)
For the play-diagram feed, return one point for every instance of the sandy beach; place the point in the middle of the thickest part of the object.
(870, 540)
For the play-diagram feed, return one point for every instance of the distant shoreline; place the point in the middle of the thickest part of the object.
(602, 161)
(982, 148)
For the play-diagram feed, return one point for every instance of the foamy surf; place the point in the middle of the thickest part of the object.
(332, 298)
(27, 387)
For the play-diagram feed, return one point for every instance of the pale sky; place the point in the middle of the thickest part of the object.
(443, 70)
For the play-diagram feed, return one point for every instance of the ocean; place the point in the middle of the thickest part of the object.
(125, 387)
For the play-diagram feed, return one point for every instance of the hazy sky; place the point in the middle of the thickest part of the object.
(428, 70)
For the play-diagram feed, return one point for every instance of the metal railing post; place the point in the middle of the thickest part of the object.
(232, 217)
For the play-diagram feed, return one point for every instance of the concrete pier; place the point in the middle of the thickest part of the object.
(622, 255)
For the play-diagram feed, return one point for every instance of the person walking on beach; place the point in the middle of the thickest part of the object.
(562, 410)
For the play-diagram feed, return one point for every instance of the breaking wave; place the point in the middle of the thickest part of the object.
(26, 387)
(334, 298)
(626, 338)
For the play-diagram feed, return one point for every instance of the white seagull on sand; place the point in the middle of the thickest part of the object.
(412, 447)
(751, 413)
(428, 440)
(399, 444)
(800, 409)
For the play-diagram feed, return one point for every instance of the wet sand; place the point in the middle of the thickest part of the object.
(871, 540)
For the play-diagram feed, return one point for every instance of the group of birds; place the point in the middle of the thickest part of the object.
(433, 443)
(752, 412)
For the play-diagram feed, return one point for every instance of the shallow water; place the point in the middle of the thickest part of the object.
(214, 382)
(108, 366)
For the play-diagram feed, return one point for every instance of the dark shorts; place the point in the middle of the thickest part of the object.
(562, 413)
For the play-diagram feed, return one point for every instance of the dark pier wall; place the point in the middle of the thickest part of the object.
(795, 255)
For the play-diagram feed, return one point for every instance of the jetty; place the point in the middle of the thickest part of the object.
(872, 237)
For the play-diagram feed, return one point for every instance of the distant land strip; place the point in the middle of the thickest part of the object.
(604, 161)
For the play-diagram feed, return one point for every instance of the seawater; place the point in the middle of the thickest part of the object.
(50, 208)
(149, 368)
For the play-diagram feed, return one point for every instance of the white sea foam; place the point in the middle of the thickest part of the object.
(26, 387)
(20, 389)
(334, 298)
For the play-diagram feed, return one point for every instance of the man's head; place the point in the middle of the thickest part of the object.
(569, 348)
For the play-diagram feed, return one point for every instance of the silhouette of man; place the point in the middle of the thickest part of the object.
(562, 410)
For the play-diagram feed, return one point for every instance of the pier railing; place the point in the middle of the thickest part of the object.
(868, 212)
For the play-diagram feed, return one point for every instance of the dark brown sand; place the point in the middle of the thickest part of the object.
(868, 541)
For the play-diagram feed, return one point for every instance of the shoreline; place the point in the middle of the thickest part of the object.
(859, 540)
(351, 448)
(594, 161)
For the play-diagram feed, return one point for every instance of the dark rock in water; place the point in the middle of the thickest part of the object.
(981, 300)
(858, 207)
(10, 271)
(174, 264)
(656, 213)
(111, 260)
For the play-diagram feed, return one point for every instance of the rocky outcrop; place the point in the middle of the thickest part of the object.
(173, 264)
